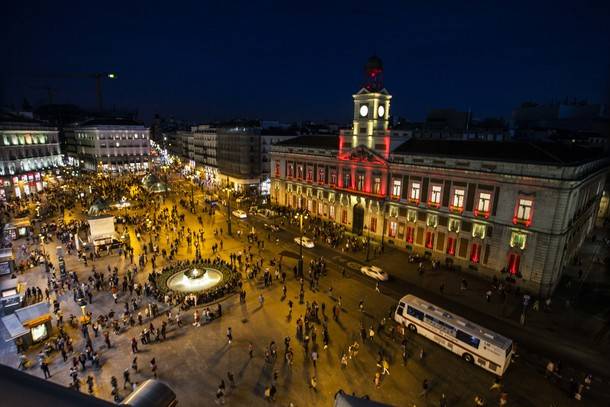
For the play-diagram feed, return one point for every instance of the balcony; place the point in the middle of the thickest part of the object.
(433, 204)
(456, 209)
(414, 201)
(524, 222)
(482, 214)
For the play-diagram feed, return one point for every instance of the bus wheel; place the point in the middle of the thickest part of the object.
(412, 328)
(468, 357)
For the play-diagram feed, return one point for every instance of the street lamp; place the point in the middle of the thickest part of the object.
(229, 211)
(300, 215)
(368, 242)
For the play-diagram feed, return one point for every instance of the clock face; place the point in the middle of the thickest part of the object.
(380, 111)
(364, 110)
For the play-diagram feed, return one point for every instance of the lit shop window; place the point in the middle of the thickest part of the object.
(429, 239)
(373, 227)
(517, 240)
(344, 216)
(451, 242)
(393, 229)
(478, 230)
(454, 225)
(410, 234)
(331, 212)
(475, 253)
(435, 196)
(513, 263)
(396, 188)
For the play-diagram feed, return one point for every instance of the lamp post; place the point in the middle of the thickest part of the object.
(300, 215)
(229, 211)
(368, 242)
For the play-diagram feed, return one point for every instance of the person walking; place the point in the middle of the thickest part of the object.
(250, 350)
(497, 385)
(314, 358)
(126, 378)
(386, 367)
(90, 384)
(377, 380)
(377, 287)
(44, 366)
(231, 379)
(371, 334)
(134, 364)
(229, 335)
(153, 367)
(313, 383)
(361, 306)
(261, 299)
(425, 388)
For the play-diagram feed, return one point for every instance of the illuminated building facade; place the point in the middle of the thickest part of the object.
(109, 144)
(28, 149)
(504, 209)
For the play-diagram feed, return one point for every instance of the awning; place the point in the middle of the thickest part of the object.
(33, 314)
(13, 327)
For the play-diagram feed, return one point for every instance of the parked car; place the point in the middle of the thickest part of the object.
(305, 241)
(374, 272)
(238, 213)
(271, 227)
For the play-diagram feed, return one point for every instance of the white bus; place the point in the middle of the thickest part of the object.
(472, 342)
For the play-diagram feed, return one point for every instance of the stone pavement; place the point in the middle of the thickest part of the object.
(194, 360)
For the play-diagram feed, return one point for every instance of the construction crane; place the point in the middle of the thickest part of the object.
(98, 76)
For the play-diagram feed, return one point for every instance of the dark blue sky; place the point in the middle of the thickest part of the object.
(298, 60)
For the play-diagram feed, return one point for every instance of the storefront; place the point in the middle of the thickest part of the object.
(10, 295)
(22, 185)
(7, 261)
(18, 228)
(32, 324)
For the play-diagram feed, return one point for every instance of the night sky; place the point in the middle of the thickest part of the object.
(302, 60)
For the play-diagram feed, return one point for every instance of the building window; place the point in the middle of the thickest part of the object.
(415, 192)
(377, 185)
(478, 230)
(347, 180)
(458, 200)
(524, 212)
(331, 212)
(517, 240)
(277, 169)
(360, 182)
(451, 242)
(310, 205)
(393, 229)
(291, 170)
(343, 215)
(475, 253)
(513, 263)
(309, 174)
(321, 174)
(396, 188)
(410, 234)
(435, 196)
(320, 208)
(373, 227)
(429, 239)
(411, 215)
(432, 220)
(483, 205)
(333, 177)
(454, 225)
(299, 171)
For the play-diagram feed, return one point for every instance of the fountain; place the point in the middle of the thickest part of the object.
(194, 280)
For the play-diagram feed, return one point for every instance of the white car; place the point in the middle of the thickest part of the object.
(375, 272)
(306, 242)
(238, 213)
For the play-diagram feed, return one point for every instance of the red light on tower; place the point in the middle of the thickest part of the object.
(373, 74)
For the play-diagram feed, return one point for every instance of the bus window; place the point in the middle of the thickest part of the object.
(468, 339)
(401, 308)
(415, 313)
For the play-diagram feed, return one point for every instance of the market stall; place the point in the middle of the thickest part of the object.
(32, 324)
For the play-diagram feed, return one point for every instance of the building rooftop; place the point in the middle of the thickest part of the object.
(312, 141)
(511, 151)
(110, 121)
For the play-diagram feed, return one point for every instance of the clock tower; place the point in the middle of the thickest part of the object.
(371, 112)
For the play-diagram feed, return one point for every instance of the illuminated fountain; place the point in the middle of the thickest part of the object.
(194, 280)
